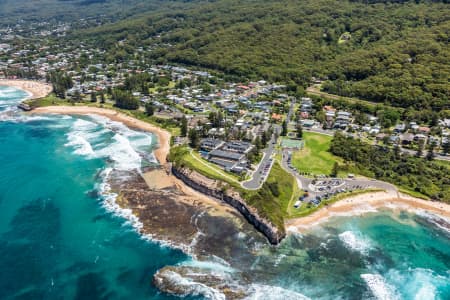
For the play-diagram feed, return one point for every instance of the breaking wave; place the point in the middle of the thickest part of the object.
(439, 222)
(187, 286)
(102, 138)
(356, 241)
(418, 283)
(267, 292)
(378, 286)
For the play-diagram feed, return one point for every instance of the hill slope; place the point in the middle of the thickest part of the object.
(394, 52)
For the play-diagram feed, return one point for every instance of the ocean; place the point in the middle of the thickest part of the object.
(63, 237)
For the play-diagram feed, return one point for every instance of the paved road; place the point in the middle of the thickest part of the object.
(291, 110)
(362, 183)
(259, 176)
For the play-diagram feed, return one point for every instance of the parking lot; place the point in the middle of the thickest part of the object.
(323, 187)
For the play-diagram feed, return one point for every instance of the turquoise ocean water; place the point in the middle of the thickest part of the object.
(62, 238)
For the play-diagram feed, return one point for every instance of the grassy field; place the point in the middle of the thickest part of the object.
(183, 156)
(314, 158)
(273, 199)
(211, 169)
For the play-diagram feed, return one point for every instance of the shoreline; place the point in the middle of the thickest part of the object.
(367, 203)
(351, 206)
(35, 89)
(161, 152)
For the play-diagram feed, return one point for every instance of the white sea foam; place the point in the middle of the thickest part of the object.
(122, 153)
(83, 147)
(378, 286)
(84, 125)
(356, 242)
(216, 264)
(191, 287)
(125, 149)
(438, 221)
(111, 206)
(267, 292)
(278, 260)
(418, 283)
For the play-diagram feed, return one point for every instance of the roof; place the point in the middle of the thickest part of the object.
(276, 116)
(226, 154)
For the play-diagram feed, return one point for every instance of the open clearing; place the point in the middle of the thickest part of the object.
(314, 158)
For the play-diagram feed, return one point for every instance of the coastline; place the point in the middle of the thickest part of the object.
(356, 205)
(164, 136)
(35, 89)
(366, 203)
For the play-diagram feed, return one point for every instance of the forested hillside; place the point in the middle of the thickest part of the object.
(395, 53)
(12, 11)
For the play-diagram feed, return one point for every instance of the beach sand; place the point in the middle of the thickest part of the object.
(163, 180)
(365, 203)
(36, 89)
(356, 205)
(163, 136)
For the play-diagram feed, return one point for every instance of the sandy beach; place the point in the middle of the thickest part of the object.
(369, 202)
(36, 89)
(163, 136)
(356, 205)
(163, 180)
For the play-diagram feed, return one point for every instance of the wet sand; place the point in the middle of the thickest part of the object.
(163, 136)
(365, 203)
(36, 89)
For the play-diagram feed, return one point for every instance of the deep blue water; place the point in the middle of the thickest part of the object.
(59, 239)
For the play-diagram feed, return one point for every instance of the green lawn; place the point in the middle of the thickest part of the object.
(273, 199)
(183, 156)
(314, 158)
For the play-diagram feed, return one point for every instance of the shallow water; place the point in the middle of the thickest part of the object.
(61, 239)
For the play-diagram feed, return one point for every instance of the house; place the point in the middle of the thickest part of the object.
(308, 123)
(423, 130)
(406, 138)
(399, 128)
(420, 137)
(445, 123)
(276, 117)
(304, 115)
(413, 125)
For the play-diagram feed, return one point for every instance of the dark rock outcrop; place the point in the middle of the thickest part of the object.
(213, 189)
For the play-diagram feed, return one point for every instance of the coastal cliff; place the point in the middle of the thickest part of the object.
(214, 188)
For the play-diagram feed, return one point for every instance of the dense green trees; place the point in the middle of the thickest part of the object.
(184, 126)
(149, 109)
(414, 173)
(60, 81)
(124, 99)
(397, 53)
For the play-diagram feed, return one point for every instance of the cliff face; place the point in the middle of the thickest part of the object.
(213, 189)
